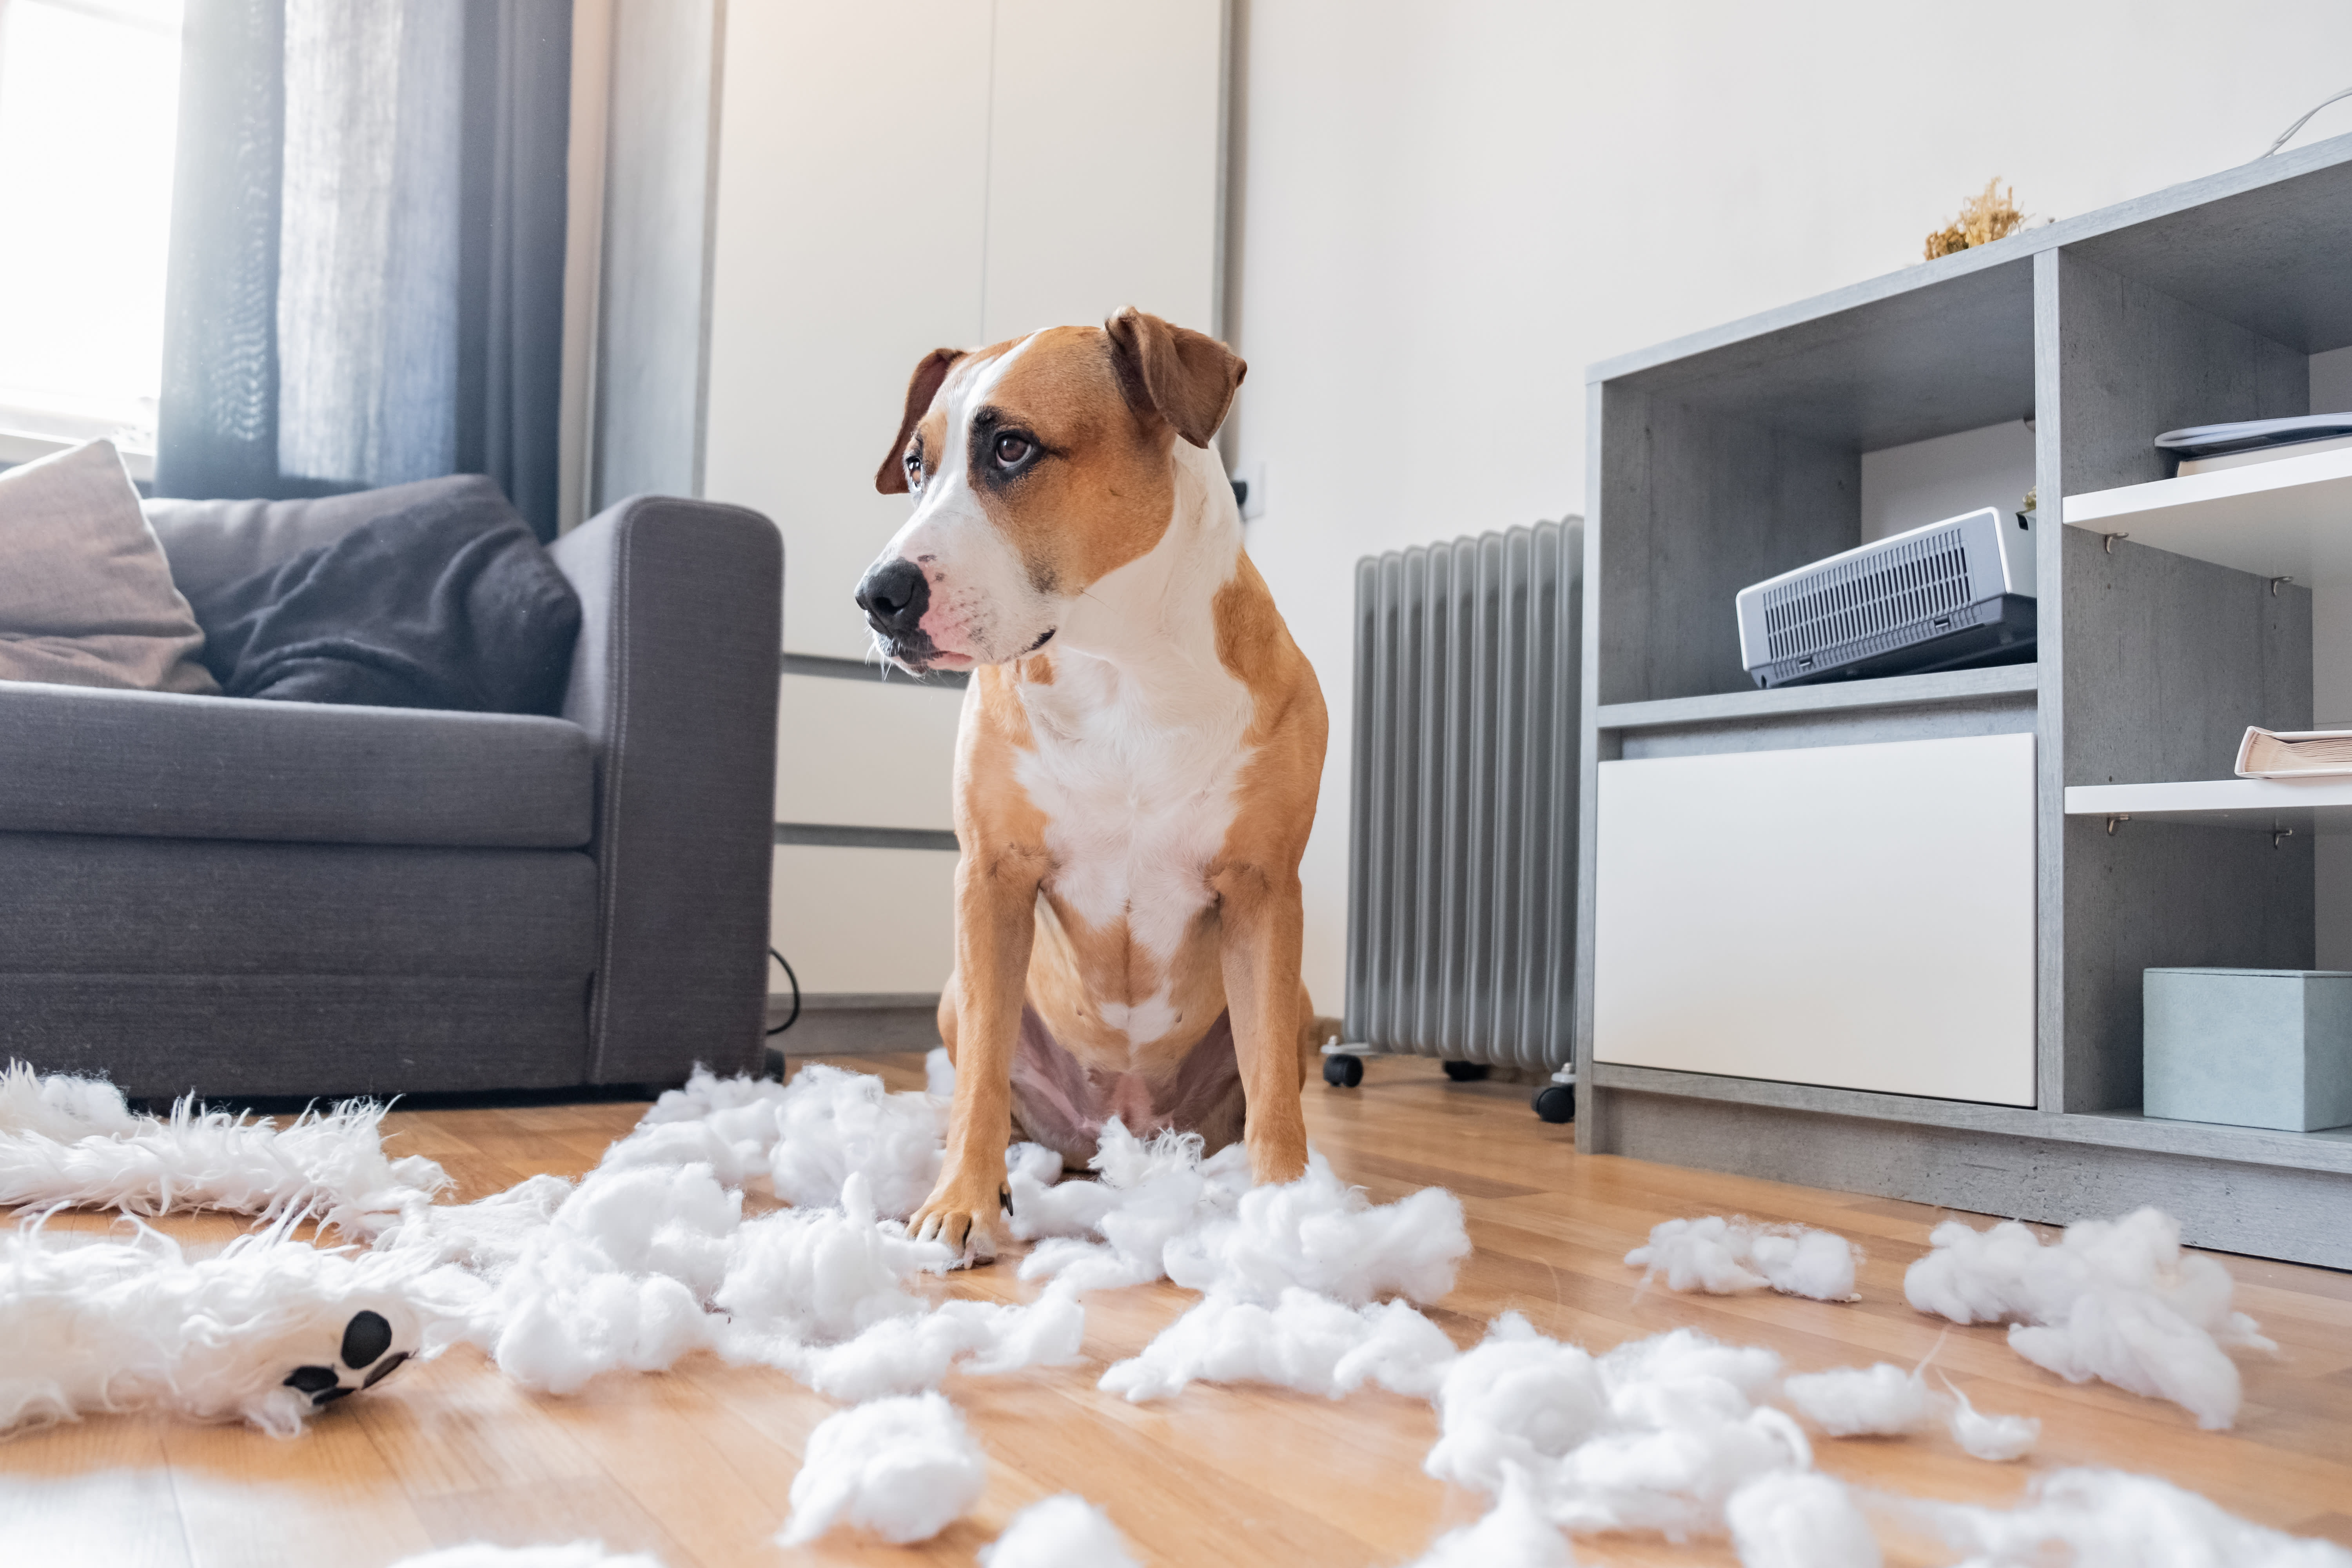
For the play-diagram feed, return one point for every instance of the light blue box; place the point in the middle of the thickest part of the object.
(2250, 1048)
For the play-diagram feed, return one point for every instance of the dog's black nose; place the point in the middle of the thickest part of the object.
(894, 597)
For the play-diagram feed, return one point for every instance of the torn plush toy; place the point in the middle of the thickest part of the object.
(75, 1141)
(1064, 1532)
(903, 1470)
(1724, 1257)
(267, 1332)
(2118, 1300)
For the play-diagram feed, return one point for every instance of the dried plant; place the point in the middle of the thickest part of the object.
(1993, 215)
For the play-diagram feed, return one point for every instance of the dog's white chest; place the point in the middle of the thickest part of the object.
(1137, 794)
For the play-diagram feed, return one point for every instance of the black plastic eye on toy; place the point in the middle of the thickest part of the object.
(365, 1339)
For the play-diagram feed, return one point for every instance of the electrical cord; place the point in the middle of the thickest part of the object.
(2299, 124)
(795, 979)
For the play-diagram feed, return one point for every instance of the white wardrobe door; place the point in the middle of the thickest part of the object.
(1854, 916)
(847, 753)
(1106, 162)
(864, 921)
(851, 222)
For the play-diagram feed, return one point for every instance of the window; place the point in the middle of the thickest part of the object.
(88, 105)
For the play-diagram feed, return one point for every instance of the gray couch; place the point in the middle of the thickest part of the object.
(260, 898)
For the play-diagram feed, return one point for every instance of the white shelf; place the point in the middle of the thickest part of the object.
(2290, 516)
(2260, 806)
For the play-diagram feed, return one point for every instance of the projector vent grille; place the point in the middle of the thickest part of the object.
(1845, 603)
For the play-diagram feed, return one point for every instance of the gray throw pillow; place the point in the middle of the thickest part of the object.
(86, 596)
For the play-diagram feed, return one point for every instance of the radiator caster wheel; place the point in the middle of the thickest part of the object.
(1343, 1072)
(1466, 1072)
(1556, 1103)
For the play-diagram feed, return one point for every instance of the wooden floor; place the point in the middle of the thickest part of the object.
(695, 1465)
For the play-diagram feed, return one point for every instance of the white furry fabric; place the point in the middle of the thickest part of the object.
(1064, 1532)
(480, 1554)
(903, 1470)
(2104, 1519)
(1879, 1401)
(101, 1326)
(1655, 1436)
(74, 1141)
(1306, 1341)
(1724, 1257)
(1798, 1520)
(2114, 1300)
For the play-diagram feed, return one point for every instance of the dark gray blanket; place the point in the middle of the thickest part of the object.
(450, 603)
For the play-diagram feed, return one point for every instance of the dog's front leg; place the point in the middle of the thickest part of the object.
(1262, 921)
(996, 902)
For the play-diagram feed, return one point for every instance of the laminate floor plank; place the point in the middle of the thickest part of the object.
(696, 1465)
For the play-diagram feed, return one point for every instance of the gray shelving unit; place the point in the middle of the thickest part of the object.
(1728, 456)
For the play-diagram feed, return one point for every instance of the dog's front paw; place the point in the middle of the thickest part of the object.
(962, 1213)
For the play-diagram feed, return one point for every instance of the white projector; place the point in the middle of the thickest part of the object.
(1953, 593)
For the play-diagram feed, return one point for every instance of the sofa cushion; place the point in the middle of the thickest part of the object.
(81, 759)
(86, 596)
(89, 905)
(213, 544)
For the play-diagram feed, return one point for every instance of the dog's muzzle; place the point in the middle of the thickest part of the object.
(893, 596)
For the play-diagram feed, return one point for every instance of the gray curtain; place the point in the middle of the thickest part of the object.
(367, 247)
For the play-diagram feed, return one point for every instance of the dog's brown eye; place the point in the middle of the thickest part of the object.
(914, 471)
(1011, 449)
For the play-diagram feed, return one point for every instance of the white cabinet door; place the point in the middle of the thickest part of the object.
(1854, 916)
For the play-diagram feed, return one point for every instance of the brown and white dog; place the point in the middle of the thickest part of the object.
(1136, 766)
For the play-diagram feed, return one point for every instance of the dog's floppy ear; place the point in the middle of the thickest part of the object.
(1187, 378)
(930, 371)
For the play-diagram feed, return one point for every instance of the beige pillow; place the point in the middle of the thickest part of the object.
(86, 596)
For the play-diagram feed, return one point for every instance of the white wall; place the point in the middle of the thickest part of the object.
(1439, 214)
(925, 174)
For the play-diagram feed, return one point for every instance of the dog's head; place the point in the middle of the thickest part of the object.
(1037, 467)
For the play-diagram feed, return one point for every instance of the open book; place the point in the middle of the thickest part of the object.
(2295, 753)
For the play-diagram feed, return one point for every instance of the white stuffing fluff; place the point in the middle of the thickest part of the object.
(1514, 1534)
(939, 1073)
(2113, 1299)
(1656, 1435)
(1164, 1189)
(1879, 1401)
(1798, 1520)
(1998, 1438)
(1164, 1211)
(1064, 1532)
(903, 1470)
(103, 1326)
(1724, 1257)
(1305, 1341)
(833, 1124)
(2104, 1519)
(1514, 1402)
(1317, 1233)
(75, 1141)
(480, 1554)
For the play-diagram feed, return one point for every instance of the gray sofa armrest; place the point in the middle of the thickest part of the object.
(675, 681)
